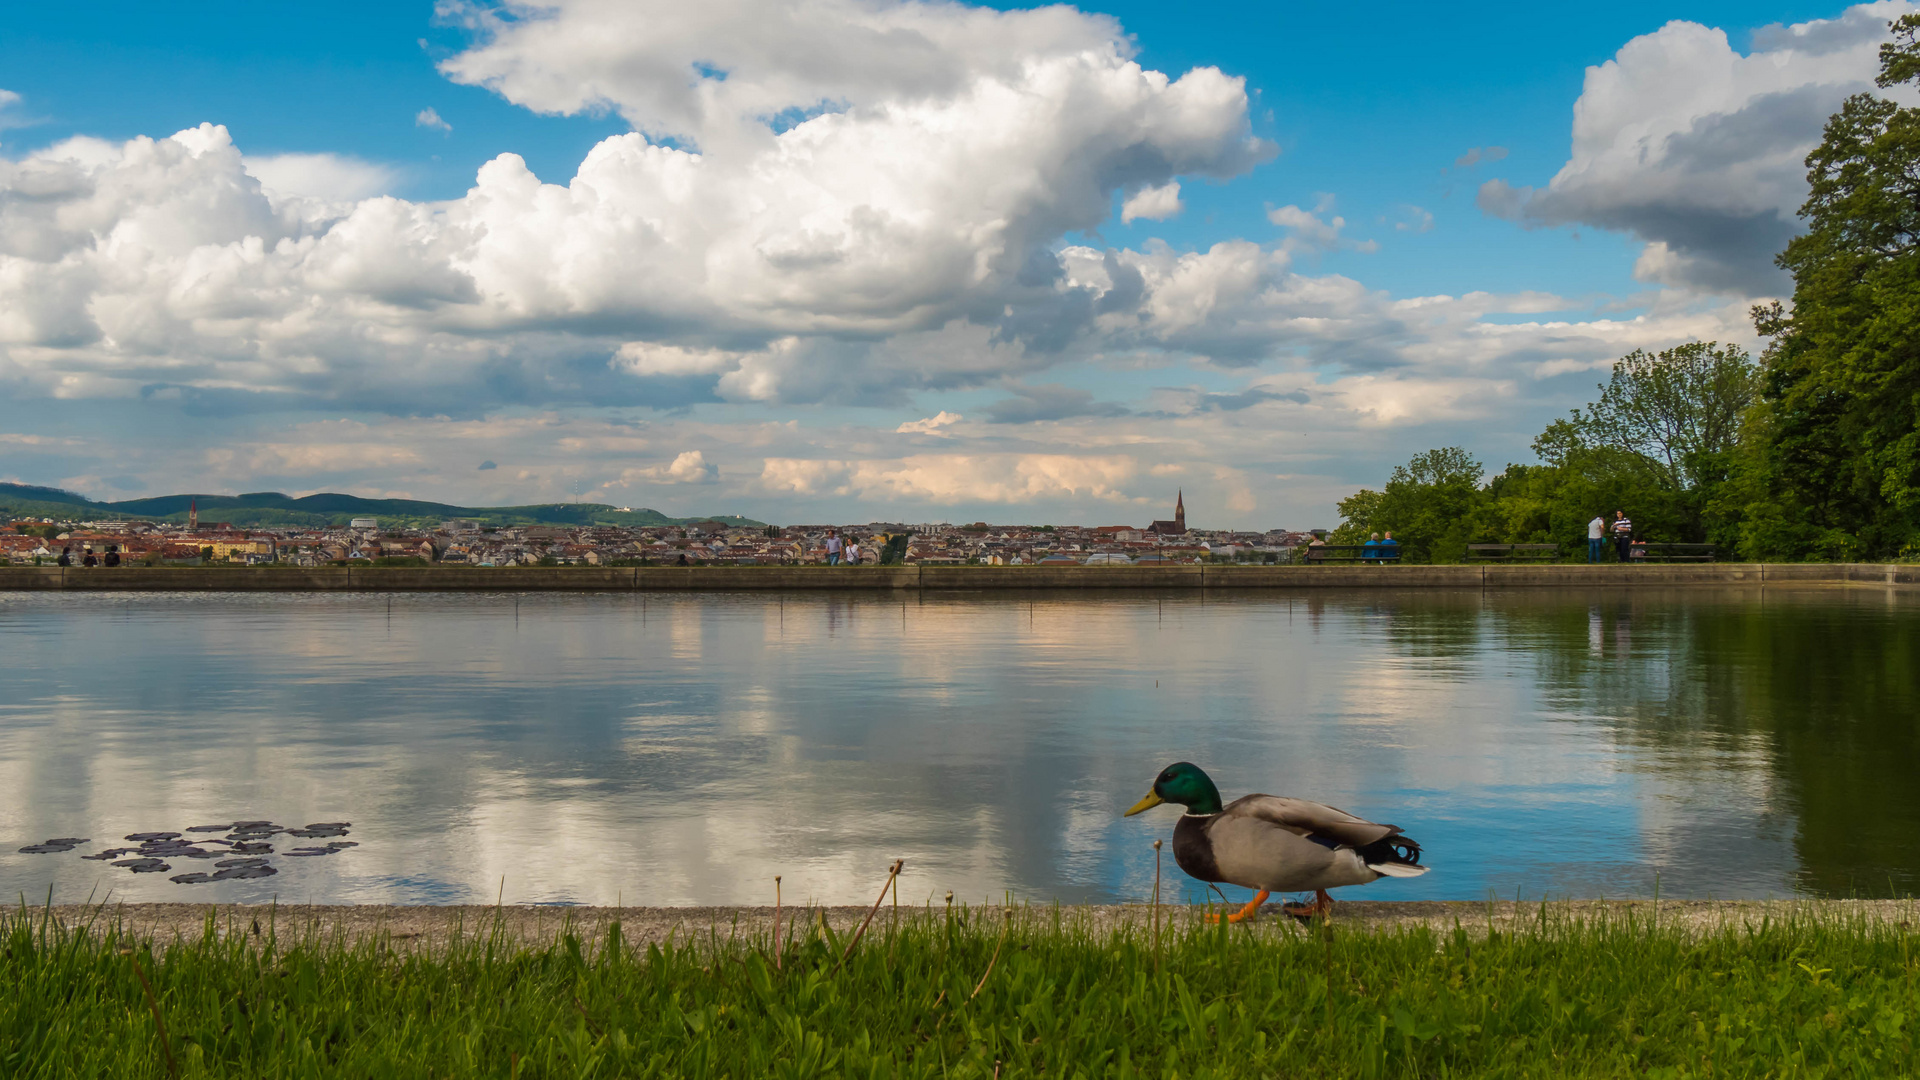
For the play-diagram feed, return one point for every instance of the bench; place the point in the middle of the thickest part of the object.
(1513, 552)
(1681, 553)
(1320, 553)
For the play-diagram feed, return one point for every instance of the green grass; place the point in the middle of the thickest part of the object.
(1809, 997)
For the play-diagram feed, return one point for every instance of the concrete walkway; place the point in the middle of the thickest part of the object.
(943, 578)
(431, 927)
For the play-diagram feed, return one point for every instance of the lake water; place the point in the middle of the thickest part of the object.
(684, 749)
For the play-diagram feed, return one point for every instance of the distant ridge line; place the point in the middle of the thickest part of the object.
(255, 508)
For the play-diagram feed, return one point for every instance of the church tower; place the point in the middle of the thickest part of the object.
(1180, 512)
(193, 515)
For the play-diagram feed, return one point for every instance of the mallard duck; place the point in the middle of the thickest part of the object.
(1274, 844)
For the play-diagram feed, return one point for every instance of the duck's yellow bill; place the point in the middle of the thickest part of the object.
(1147, 803)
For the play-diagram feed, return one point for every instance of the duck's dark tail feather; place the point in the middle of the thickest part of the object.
(1393, 856)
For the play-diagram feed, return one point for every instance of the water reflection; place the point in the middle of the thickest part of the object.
(683, 749)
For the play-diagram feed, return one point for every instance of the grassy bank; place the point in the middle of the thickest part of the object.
(966, 995)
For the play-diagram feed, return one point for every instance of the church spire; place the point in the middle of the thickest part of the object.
(193, 515)
(1180, 512)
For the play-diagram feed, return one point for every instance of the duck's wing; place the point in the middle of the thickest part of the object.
(1315, 821)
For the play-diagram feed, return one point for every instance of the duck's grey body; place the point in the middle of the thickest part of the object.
(1290, 845)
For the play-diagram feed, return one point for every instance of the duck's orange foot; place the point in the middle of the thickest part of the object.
(1247, 912)
(1321, 906)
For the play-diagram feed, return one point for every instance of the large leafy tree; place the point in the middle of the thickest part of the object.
(1841, 400)
(1428, 505)
(1673, 414)
(1660, 442)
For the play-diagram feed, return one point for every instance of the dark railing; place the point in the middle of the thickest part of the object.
(1681, 552)
(1373, 553)
(1513, 552)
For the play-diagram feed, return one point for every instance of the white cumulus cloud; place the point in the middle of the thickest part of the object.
(1699, 150)
(689, 467)
(332, 177)
(1152, 204)
(895, 196)
(430, 118)
(1308, 231)
(929, 426)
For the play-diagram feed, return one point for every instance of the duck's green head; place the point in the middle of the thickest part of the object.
(1182, 782)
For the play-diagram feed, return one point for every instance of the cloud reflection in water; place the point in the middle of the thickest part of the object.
(675, 749)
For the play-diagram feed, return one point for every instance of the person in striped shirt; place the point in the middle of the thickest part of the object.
(1622, 533)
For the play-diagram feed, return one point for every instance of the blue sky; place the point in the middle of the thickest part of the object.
(788, 395)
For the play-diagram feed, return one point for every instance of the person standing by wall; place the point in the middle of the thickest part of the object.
(1596, 537)
(853, 553)
(834, 546)
(1622, 534)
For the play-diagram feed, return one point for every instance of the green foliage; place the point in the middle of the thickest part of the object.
(1358, 512)
(1841, 460)
(974, 997)
(1674, 415)
(1668, 441)
(1428, 506)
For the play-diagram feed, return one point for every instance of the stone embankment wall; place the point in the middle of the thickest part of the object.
(944, 578)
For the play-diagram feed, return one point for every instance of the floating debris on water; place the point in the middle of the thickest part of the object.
(321, 828)
(235, 872)
(241, 855)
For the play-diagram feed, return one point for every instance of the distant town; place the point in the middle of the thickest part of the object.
(44, 540)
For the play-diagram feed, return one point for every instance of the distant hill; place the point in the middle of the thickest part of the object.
(271, 508)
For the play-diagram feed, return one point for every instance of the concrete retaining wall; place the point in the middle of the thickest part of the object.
(944, 578)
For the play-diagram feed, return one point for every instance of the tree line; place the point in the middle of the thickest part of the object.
(1809, 452)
